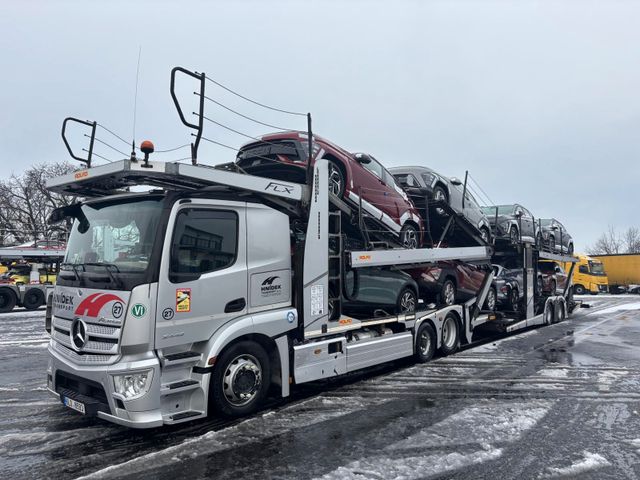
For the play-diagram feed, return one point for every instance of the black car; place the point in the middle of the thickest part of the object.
(555, 236)
(508, 287)
(513, 223)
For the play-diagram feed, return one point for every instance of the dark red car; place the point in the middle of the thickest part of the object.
(552, 279)
(283, 156)
(449, 282)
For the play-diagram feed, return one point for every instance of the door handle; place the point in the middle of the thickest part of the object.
(235, 305)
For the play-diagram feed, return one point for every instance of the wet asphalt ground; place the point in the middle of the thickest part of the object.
(561, 401)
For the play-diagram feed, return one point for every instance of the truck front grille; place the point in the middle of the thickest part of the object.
(101, 346)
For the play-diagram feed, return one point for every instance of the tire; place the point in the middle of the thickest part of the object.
(7, 300)
(560, 312)
(440, 194)
(33, 299)
(409, 236)
(244, 362)
(407, 301)
(485, 234)
(426, 340)
(551, 243)
(336, 179)
(549, 313)
(450, 335)
(514, 236)
(578, 289)
(490, 302)
(514, 299)
(448, 293)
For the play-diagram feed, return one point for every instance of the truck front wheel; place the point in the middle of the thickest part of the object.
(578, 290)
(240, 379)
(7, 300)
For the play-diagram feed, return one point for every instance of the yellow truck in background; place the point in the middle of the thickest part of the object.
(623, 271)
(589, 276)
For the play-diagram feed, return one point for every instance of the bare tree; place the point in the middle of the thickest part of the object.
(608, 243)
(25, 205)
(631, 239)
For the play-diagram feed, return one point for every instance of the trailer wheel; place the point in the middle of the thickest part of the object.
(560, 312)
(33, 299)
(450, 334)
(7, 300)
(549, 313)
(578, 290)
(426, 340)
(240, 379)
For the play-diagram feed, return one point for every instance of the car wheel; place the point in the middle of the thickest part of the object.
(440, 194)
(514, 299)
(485, 234)
(33, 299)
(450, 335)
(336, 179)
(448, 293)
(513, 234)
(409, 236)
(490, 302)
(7, 300)
(426, 340)
(240, 379)
(407, 301)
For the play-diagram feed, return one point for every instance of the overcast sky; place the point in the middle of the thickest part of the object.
(538, 100)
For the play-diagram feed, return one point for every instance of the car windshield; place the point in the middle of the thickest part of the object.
(546, 266)
(596, 268)
(117, 237)
(545, 222)
(502, 210)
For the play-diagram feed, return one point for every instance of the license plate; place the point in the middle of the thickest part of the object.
(77, 406)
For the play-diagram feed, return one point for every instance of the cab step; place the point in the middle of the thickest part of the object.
(180, 386)
(180, 358)
(184, 415)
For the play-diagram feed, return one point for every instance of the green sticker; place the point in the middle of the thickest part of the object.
(138, 310)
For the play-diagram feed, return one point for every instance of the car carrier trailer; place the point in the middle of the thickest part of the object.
(31, 296)
(170, 345)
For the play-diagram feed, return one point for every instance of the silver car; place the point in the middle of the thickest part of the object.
(423, 185)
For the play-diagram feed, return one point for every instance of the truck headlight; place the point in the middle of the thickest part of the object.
(133, 385)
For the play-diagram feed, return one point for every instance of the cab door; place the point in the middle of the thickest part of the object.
(203, 273)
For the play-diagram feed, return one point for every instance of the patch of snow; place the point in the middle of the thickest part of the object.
(554, 372)
(607, 378)
(408, 468)
(496, 422)
(590, 461)
(619, 308)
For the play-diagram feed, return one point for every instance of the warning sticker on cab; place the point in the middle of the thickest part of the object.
(183, 300)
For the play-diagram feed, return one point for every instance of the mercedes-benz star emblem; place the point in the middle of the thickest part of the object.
(78, 334)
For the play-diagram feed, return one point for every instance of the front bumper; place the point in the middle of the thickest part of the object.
(93, 387)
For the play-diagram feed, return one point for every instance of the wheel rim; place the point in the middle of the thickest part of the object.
(491, 299)
(439, 195)
(335, 180)
(449, 330)
(514, 300)
(514, 235)
(484, 235)
(424, 342)
(407, 303)
(410, 239)
(449, 294)
(242, 380)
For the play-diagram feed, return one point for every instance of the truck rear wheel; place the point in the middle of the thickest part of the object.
(450, 335)
(549, 314)
(426, 340)
(240, 380)
(7, 300)
(33, 299)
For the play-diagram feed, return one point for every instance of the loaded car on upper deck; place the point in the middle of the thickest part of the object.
(513, 222)
(424, 185)
(555, 236)
(355, 177)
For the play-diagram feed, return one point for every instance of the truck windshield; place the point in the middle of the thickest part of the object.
(596, 268)
(110, 243)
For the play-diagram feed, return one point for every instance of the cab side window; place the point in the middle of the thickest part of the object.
(204, 240)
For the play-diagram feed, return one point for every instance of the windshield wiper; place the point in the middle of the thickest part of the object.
(108, 267)
(74, 269)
